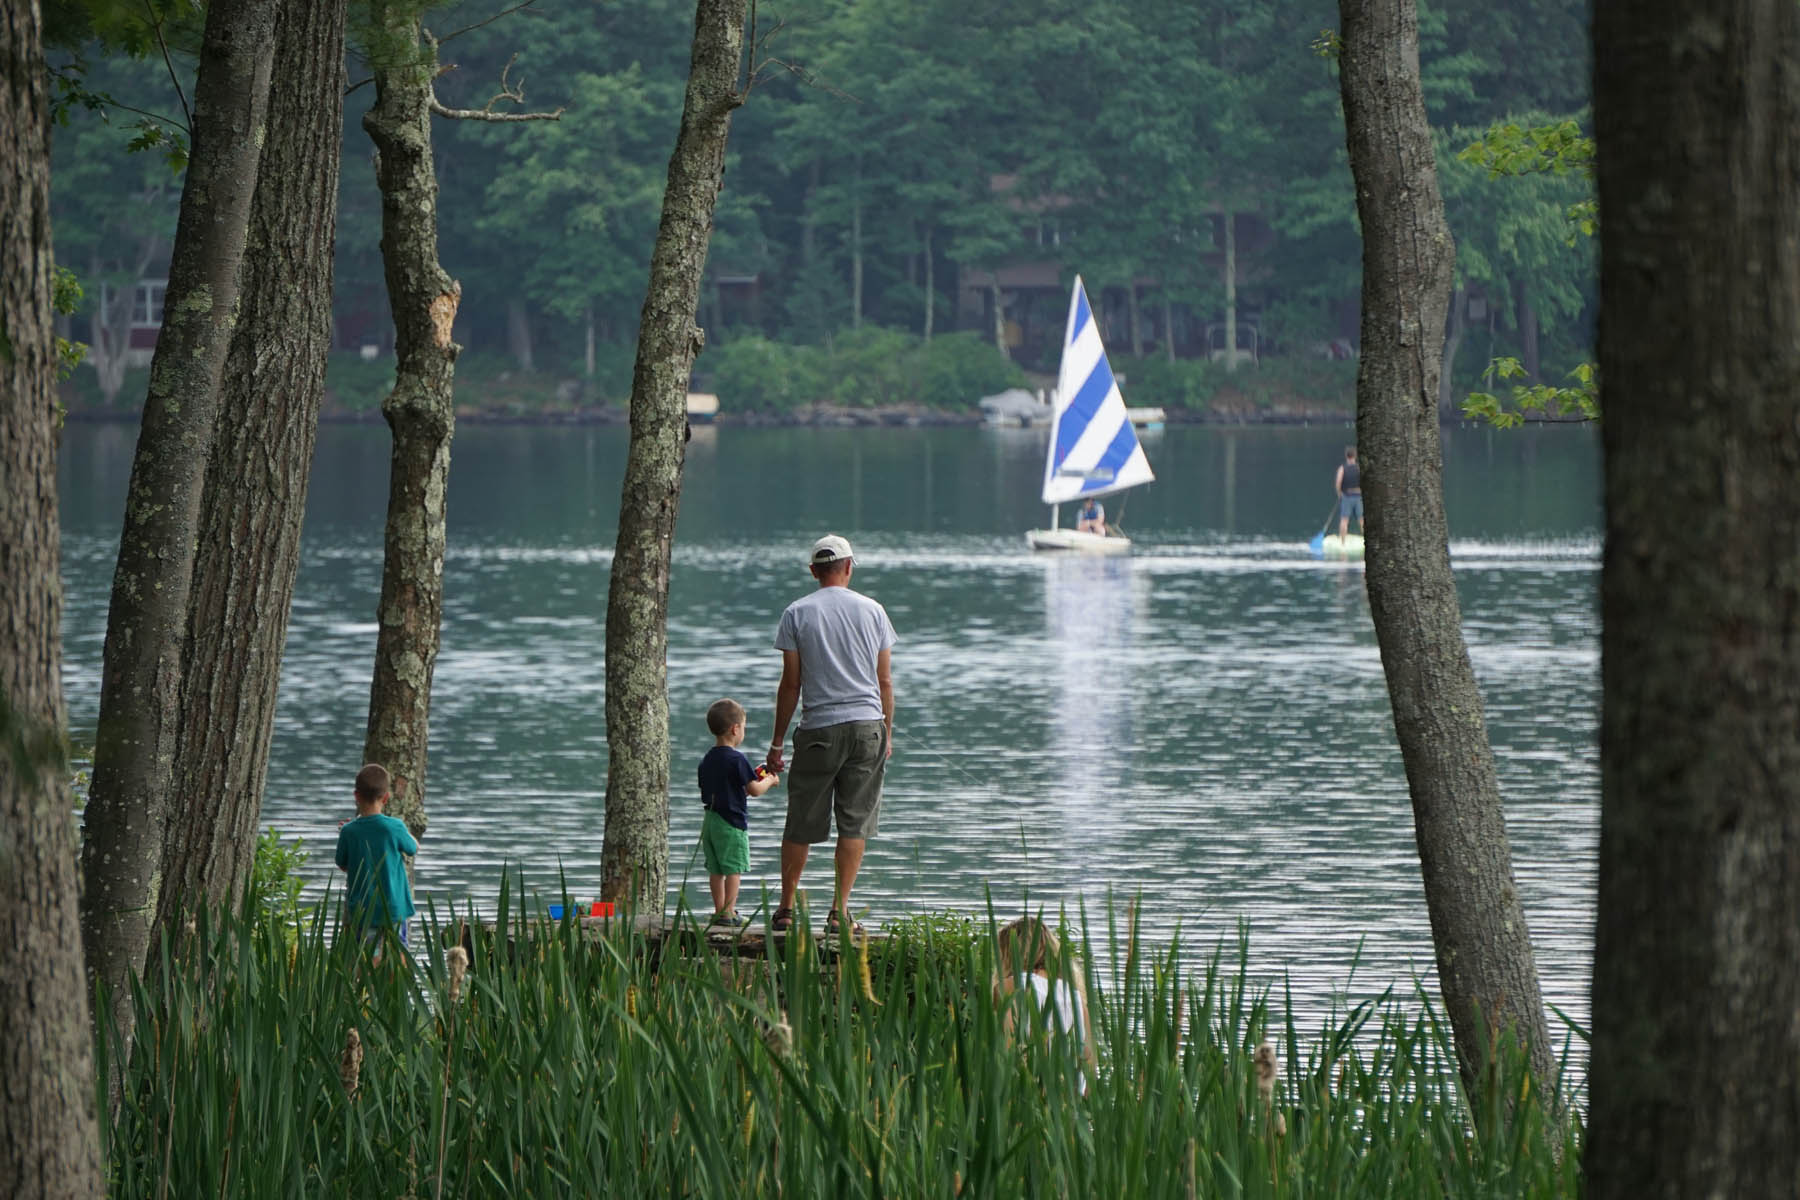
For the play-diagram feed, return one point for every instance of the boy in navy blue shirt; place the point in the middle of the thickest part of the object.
(726, 783)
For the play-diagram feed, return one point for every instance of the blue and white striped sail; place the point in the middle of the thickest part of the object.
(1093, 449)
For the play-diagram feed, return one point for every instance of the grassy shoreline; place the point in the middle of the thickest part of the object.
(572, 1066)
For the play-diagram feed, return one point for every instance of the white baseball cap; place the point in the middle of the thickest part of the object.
(829, 549)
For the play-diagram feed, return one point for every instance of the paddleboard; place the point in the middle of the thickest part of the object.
(1348, 546)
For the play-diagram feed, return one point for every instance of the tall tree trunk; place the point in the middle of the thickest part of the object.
(128, 803)
(1696, 1047)
(420, 411)
(635, 852)
(999, 318)
(1459, 325)
(249, 544)
(1528, 333)
(1135, 315)
(930, 283)
(1231, 347)
(1484, 956)
(587, 325)
(109, 334)
(49, 1140)
(115, 309)
(1168, 311)
(856, 249)
(518, 334)
(809, 217)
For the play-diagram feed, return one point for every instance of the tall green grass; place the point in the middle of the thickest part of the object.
(575, 1065)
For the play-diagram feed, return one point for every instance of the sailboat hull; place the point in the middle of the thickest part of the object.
(1077, 541)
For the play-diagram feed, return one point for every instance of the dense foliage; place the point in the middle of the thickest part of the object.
(891, 159)
(562, 1064)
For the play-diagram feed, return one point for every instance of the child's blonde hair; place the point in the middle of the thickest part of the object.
(1024, 946)
(723, 715)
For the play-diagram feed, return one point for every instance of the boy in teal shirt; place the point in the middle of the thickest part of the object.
(369, 850)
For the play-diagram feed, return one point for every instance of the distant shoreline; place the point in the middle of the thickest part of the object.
(833, 418)
(814, 418)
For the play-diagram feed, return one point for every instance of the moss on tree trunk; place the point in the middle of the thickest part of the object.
(128, 803)
(249, 538)
(420, 411)
(635, 855)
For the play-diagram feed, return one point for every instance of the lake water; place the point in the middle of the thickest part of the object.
(1202, 725)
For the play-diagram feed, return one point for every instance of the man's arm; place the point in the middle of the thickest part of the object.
(1338, 483)
(884, 675)
(787, 699)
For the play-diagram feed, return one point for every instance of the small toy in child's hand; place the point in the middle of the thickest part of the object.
(762, 771)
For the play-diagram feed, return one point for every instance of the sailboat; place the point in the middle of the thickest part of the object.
(1093, 449)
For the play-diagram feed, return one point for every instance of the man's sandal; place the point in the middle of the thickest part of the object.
(781, 920)
(832, 923)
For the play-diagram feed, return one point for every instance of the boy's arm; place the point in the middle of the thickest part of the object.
(757, 787)
(343, 854)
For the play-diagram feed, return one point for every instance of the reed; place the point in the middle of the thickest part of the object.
(557, 1063)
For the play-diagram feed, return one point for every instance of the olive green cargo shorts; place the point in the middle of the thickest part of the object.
(837, 771)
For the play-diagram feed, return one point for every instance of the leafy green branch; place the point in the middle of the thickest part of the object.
(1582, 400)
(1511, 150)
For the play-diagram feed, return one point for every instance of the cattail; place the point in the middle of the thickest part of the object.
(1265, 1073)
(779, 1038)
(749, 1125)
(1280, 1123)
(350, 1063)
(631, 1001)
(860, 940)
(458, 961)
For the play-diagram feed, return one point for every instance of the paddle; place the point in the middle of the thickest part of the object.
(1317, 545)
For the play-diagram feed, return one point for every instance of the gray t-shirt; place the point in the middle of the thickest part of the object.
(840, 634)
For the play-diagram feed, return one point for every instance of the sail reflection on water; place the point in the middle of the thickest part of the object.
(1091, 606)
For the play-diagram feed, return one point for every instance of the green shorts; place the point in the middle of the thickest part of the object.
(725, 846)
(837, 771)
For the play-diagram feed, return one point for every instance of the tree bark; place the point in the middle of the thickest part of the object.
(1484, 956)
(49, 1139)
(248, 547)
(1453, 337)
(421, 413)
(1696, 1048)
(128, 803)
(635, 852)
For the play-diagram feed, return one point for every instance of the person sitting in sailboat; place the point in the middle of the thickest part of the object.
(1092, 517)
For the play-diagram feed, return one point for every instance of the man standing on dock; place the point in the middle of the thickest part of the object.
(836, 647)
